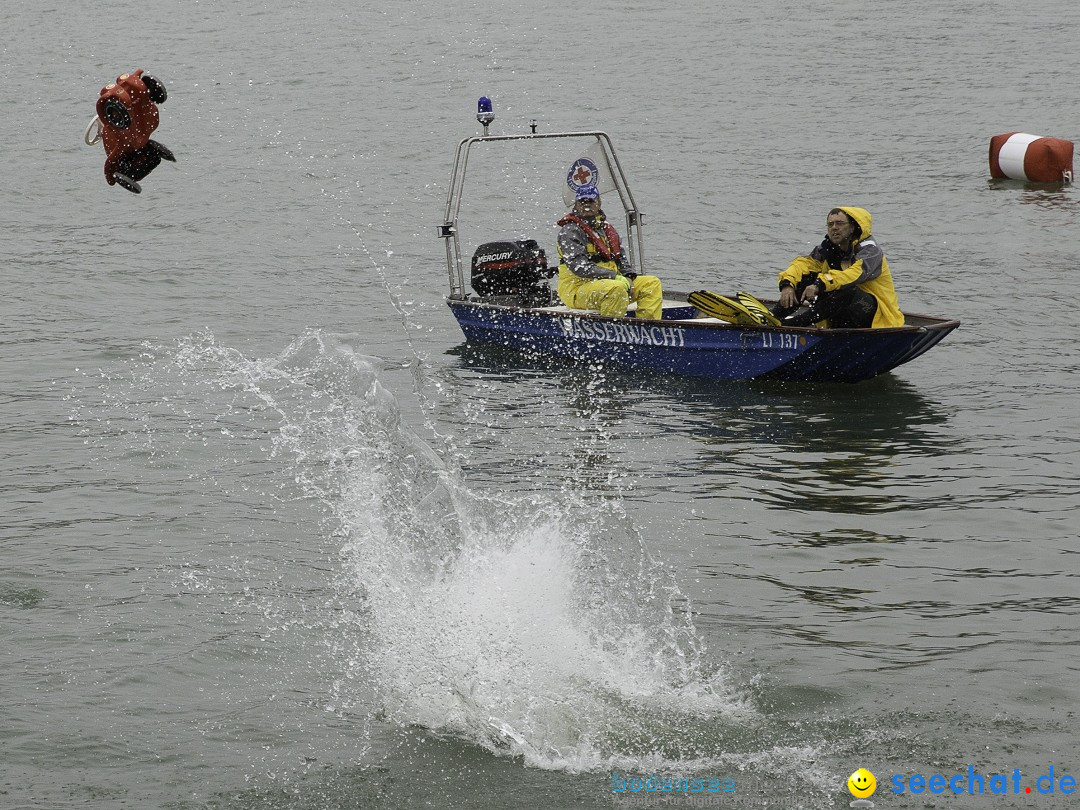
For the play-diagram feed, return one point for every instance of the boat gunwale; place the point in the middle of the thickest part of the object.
(935, 322)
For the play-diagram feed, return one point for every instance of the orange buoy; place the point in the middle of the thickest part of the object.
(127, 114)
(1020, 156)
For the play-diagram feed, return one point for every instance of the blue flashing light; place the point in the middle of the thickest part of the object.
(484, 113)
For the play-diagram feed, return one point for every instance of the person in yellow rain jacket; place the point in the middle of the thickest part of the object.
(593, 270)
(845, 281)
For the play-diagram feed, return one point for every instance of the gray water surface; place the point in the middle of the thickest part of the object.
(274, 537)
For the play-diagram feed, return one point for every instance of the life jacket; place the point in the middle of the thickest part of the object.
(607, 247)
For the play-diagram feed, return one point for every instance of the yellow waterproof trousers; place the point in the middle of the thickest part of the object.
(609, 295)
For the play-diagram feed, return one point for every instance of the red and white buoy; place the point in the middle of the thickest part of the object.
(1020, 156)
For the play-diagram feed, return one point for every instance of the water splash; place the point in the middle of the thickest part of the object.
(536, 625)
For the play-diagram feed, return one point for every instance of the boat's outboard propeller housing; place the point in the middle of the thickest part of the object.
(512, 273)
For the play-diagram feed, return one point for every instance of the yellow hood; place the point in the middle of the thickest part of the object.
(861, 216)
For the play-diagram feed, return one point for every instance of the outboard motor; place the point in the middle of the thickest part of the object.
(512, 273)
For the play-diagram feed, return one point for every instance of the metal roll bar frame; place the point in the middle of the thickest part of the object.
(448, 230)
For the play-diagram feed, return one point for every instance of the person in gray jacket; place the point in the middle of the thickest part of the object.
(593, 270)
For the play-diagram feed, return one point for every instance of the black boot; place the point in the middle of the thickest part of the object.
(804, 316)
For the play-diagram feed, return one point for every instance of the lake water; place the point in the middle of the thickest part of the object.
(273, 537)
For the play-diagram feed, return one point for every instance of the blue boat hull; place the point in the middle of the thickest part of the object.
(702, 348)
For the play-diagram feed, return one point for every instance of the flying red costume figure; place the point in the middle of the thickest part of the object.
(127, 114)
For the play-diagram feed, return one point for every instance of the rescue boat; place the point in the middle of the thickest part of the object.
(511, 301)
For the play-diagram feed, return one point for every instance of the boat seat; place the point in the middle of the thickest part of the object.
(564, 308)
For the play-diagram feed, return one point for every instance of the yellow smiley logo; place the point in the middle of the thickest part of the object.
(862, 784)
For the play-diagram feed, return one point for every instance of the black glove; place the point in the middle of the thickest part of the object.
(628, 272)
